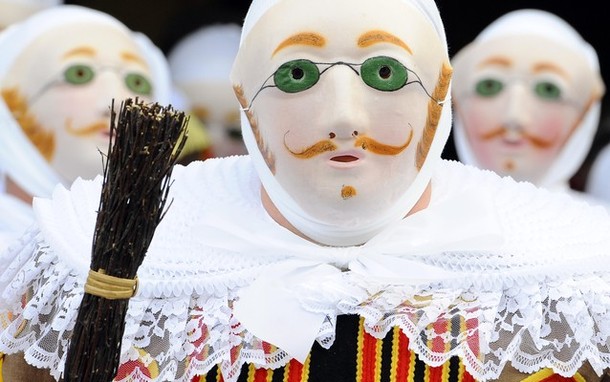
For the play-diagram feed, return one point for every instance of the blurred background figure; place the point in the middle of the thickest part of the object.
(527, 94)
(200, 64)
(59, 71)
(198, 143)
(12, 11)
(598, 180)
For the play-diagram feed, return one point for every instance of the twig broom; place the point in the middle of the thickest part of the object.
(145, 142)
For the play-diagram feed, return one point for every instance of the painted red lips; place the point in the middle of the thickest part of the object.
(344, 158)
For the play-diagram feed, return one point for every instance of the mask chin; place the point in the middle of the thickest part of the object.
(336, 231)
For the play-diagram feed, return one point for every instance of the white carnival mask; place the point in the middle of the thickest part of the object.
(523, 95)
(338, 97)
(58, 84)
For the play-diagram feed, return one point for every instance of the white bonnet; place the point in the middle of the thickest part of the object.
(540, 23)
(206, 54)
(36, 3)
(427, 7)
(12, 11)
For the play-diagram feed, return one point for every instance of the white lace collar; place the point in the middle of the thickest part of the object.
(520, 306)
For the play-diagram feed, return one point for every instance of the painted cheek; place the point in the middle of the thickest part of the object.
(74, 100)
(481, 116)
(485, 152)
(297, 126)
(390, 132)
(478, 124)
(553, 129)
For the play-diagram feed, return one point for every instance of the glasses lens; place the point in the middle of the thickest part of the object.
(384, 73)
(296, 76)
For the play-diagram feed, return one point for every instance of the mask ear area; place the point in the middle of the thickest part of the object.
(435, 109)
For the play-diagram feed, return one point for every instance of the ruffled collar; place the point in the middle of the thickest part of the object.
(537, 298)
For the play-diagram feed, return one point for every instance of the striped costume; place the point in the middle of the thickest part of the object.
(364, 358)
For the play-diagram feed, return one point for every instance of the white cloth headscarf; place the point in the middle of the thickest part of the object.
(541, 23)
(19, 157)
(206, 54)
(34, 3)
(351, 234)
(598, 180)
(12, 11)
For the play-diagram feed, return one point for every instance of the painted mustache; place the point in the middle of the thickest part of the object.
(370, 144)
(534, 140)
(91, 129)
(313, 150)
(362, 141)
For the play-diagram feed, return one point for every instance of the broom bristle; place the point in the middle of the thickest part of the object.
(146, 140)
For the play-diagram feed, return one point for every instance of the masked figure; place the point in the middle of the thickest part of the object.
(198, 145)
(527, 95)
(59, 71)
(342, 248)
(200, 65)
(13, 11)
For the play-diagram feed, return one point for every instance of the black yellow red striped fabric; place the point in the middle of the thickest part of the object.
(547, 375)
(356, 356)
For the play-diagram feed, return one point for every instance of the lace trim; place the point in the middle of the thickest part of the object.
(558, 325)
(181, 324)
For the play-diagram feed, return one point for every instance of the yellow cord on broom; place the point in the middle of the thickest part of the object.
(109, 287)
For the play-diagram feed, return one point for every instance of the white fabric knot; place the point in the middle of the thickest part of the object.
(272, 306)
(341, 257)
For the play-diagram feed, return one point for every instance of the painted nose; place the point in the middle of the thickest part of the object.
(346, 108)
(108, 87)
(111, 84)
(516, 116)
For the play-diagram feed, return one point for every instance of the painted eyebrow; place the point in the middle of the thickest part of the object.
(378, 36)
(304, 38)
(128, 56)
(89, 51)
(549, 67)
(501, 61)
(80, 51)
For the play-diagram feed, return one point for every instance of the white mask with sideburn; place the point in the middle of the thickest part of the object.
(345, 114)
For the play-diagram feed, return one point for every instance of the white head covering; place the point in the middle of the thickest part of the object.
(20, 159)
(352, 233)
(427, 7)
(12, 11)
(33, 3)
(547, 25)
(206, 54)
(598, 180)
